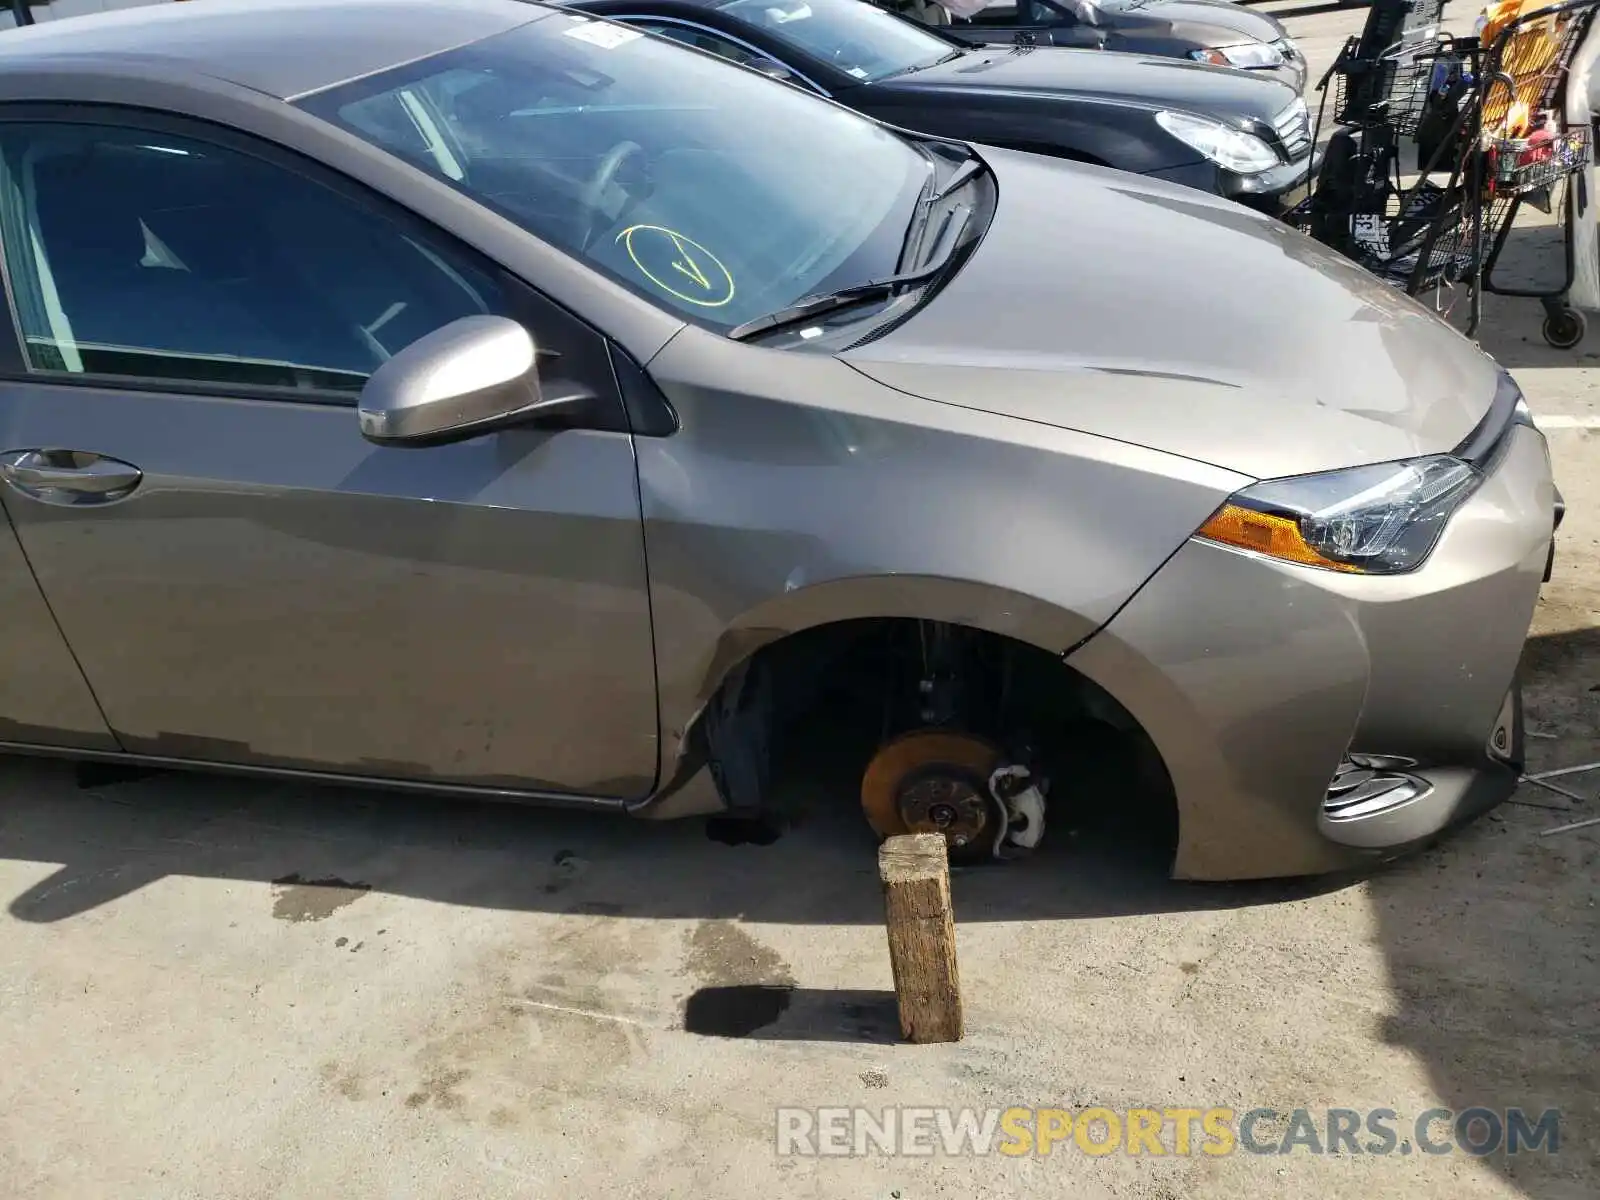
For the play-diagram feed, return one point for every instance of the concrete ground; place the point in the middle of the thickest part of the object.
(221, 989)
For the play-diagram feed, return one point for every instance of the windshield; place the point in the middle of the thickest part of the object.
(857, 38)
(702, 185)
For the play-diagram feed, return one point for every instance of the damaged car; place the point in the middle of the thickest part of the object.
(478, 398)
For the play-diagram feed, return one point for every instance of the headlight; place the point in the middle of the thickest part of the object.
(1379, 520)
(1224, 145)
(1245, 54)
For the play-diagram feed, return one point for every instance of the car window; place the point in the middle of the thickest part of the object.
(712, 42)
(1072, 12)
(1024, 14)
(1001, 13)
(702, 186)
(134, 253)
(703, 39)
(859, 39)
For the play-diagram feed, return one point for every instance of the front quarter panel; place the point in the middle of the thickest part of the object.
(1255, 677)
(798, 492)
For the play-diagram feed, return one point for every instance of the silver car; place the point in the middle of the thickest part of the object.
(479, 398)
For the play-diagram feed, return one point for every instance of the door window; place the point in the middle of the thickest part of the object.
(861, 40)
(1001, 14)
(162, 257)
(704, 39)
(712, 42)
(1020, 14)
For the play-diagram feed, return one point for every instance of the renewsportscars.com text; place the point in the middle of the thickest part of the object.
(1017, 1131)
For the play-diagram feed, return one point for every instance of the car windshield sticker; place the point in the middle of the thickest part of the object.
(678, 265)
(607, 37)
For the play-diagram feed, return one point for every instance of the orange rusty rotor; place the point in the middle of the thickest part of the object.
(931, 781)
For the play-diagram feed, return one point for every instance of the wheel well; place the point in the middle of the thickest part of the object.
(823, 700)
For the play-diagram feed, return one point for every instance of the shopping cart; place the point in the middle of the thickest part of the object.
(1531, 154)
(1485, 117)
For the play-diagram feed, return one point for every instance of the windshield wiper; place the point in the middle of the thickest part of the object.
(827, 302)
(895, 74)
(968, 169)
(812, 307)
(965, 171)
(818, 306)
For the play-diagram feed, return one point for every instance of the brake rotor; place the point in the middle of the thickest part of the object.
(933, 781)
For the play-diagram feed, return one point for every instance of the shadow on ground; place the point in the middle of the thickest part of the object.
(1492, 951)
(1533, 260)
(111, 837)
(1491, 948)
(862, 1017)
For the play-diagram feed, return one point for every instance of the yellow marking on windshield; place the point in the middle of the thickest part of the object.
(686, 264)
(678, 265)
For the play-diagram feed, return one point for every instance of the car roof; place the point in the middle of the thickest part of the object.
(283, 48)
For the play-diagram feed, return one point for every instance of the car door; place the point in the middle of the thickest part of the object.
(242, 577)
(44, 700)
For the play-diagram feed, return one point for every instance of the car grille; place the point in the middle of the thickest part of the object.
(1293, 127)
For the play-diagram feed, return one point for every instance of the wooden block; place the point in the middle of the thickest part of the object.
(915, 870)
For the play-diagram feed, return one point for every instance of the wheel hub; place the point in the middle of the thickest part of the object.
(942, 799)
(934, 781)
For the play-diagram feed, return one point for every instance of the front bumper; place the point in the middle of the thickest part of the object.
(1258, 681)
(1388, 805)
(1274, 191)
(1561, 511)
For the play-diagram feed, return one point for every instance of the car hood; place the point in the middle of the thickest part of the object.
(1116, 78)
(1209, 22)
(1153, 314)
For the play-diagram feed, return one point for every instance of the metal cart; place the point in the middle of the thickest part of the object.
(1487, 125)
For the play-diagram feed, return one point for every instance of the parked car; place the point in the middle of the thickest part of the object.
(469, 397)
(25, 12)
(1220, 32)
(1228, 132)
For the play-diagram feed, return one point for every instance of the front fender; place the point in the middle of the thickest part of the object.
(965, 602)
(798, 492)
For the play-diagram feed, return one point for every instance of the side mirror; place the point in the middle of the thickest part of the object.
(472, 376)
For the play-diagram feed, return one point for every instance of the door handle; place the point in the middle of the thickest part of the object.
(68, 476)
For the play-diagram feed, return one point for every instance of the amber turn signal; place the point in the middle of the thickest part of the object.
(1265, 533)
